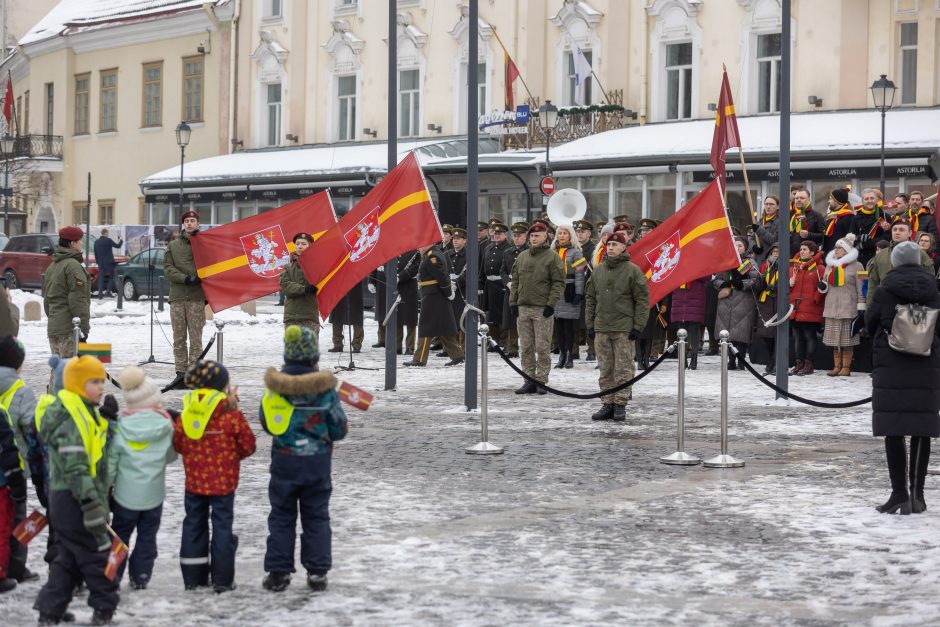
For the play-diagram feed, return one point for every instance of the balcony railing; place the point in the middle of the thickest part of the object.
(30, 146)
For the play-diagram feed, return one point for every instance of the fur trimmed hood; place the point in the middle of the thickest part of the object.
(310, 383)
(848, 258)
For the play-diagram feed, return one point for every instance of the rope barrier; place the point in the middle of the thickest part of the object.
(558, 392)
(800, 399)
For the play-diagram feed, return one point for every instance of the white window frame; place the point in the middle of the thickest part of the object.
(683, 70)
(414, 98)
(272, 9)
(675, 23)
(485, 58)
(340, 105)
(275, 109)
(902, 49)
(774, 62)
(570, 87)
(763, 18)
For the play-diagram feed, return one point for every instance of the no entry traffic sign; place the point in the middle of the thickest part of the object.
(548, 185)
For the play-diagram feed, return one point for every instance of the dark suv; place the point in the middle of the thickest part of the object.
(25, 258)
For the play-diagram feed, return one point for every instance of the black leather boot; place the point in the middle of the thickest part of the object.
(920, 458)
(693, 361)
(606, 412)
(562, 358)
(900, 501)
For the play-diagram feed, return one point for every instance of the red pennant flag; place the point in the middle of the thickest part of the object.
(358, 398)
(393, 218)
(511, 73)
(115, 558)
(242, 261)
(693, 242)
(726, 128)
(30, 527)
(8, 104)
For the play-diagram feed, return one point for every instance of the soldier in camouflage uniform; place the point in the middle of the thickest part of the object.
(300, 298)
(187, 300)
(520, 243)
(67, 293)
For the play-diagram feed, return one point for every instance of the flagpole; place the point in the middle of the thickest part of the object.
(747, 185)
(596, 79)
(506, 52)
(472, 267)
(391, 268)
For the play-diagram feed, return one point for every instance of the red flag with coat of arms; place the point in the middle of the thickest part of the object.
(243, 260)
(393, 218)
(693, 242)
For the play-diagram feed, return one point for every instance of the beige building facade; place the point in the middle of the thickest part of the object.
(308, 77)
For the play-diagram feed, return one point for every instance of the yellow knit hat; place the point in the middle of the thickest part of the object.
(79, 370)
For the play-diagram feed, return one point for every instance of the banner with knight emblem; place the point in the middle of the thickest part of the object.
(242, 261)
(393, 218)
(695, 241)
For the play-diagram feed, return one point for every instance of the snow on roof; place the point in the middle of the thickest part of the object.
(314, 161)
(854, 131)
(70, 16)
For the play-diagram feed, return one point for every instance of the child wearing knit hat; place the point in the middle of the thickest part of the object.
(139, 452)
(212, 436)
(19, 402)
(301, 409)
(75, 436)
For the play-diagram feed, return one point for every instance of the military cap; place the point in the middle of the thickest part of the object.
(71, 233)
(459, 232)
(493, 222)
(538, 226)
(499, 227)
(649, 223)
(447, 228)
(621, 218)
(302, 235)
(520, 227)
(583, 225)
(600, 225)
(482, 225)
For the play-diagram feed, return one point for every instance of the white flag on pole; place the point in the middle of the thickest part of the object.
(582, 71)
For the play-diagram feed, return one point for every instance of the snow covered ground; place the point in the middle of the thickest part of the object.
(577, 523)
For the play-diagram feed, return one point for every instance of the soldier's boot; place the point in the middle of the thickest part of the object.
(693, 361)
(606, 412)
(527, 388)
(569, 361)
(620, 413)
(562, 358)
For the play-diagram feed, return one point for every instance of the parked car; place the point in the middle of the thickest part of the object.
(136, 277)
(25, 258)
(3, 240)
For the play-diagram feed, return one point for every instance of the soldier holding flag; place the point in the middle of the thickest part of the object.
(187, 300)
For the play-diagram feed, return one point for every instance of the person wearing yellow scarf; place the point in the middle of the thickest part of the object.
(867, 226)
(805, 223)
(839, 219)
(844, 302)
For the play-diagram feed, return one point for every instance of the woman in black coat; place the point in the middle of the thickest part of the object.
(905, 394)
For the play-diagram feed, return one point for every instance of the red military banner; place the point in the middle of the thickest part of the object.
(694, 242)
(393, 218)
(242, 261)
(30, 527)
(726, 129)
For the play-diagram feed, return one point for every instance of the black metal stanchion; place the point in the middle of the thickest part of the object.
(724, 460)
(483, 447)
(680, 457)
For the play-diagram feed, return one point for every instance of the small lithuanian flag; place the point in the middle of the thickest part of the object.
(101, 351)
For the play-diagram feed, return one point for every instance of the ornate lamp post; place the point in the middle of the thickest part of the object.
(7, 144)
(182, 140)
(548, 120)
(882, 92)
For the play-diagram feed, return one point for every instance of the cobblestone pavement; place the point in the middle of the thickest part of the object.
(577, 523)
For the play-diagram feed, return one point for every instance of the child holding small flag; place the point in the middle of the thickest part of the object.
(301, 409)
(75, 436)
(137, 458)
(12, 492)
(212, 436)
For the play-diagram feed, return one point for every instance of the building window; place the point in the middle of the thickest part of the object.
(679, 81)
(571, 82)
(274, 114)
(79, 212)
(82, 82)
(768, 73)
(106, 212)
(26, 111)
(346, 94)
(409, 97)
(481, 89)
(18, 114)
(108, 118)
(272, 8)
(908, 63)
(153, 94)
(50, 107)
(193, 69)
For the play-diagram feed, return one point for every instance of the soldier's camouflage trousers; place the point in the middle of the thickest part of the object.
(62, 345)
(187, 317)
(615, 352)
(535, 342)
(313, 325)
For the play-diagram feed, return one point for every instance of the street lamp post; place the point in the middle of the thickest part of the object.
(7, 143)
(882, 92)
(182, 140)
(548, 119)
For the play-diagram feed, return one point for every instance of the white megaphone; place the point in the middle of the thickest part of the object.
(566, 206)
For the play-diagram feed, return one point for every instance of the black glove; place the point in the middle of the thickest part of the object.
(192, 280)
(109, 407)
(311, 289)
(82, 337)
(737, 283)
(514, 309)
(724, 284)
(633, 335)
(548, 312)
(95, 521)
(577, 299)
(755, 226)
(590, 333)
(17, 483)
(864, 238)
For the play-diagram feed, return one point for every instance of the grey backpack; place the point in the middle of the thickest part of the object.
(912, 331)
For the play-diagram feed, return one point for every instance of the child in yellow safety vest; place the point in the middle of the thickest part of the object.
(19, 403)
(212, 436)
(75, 436)
(301, 409)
